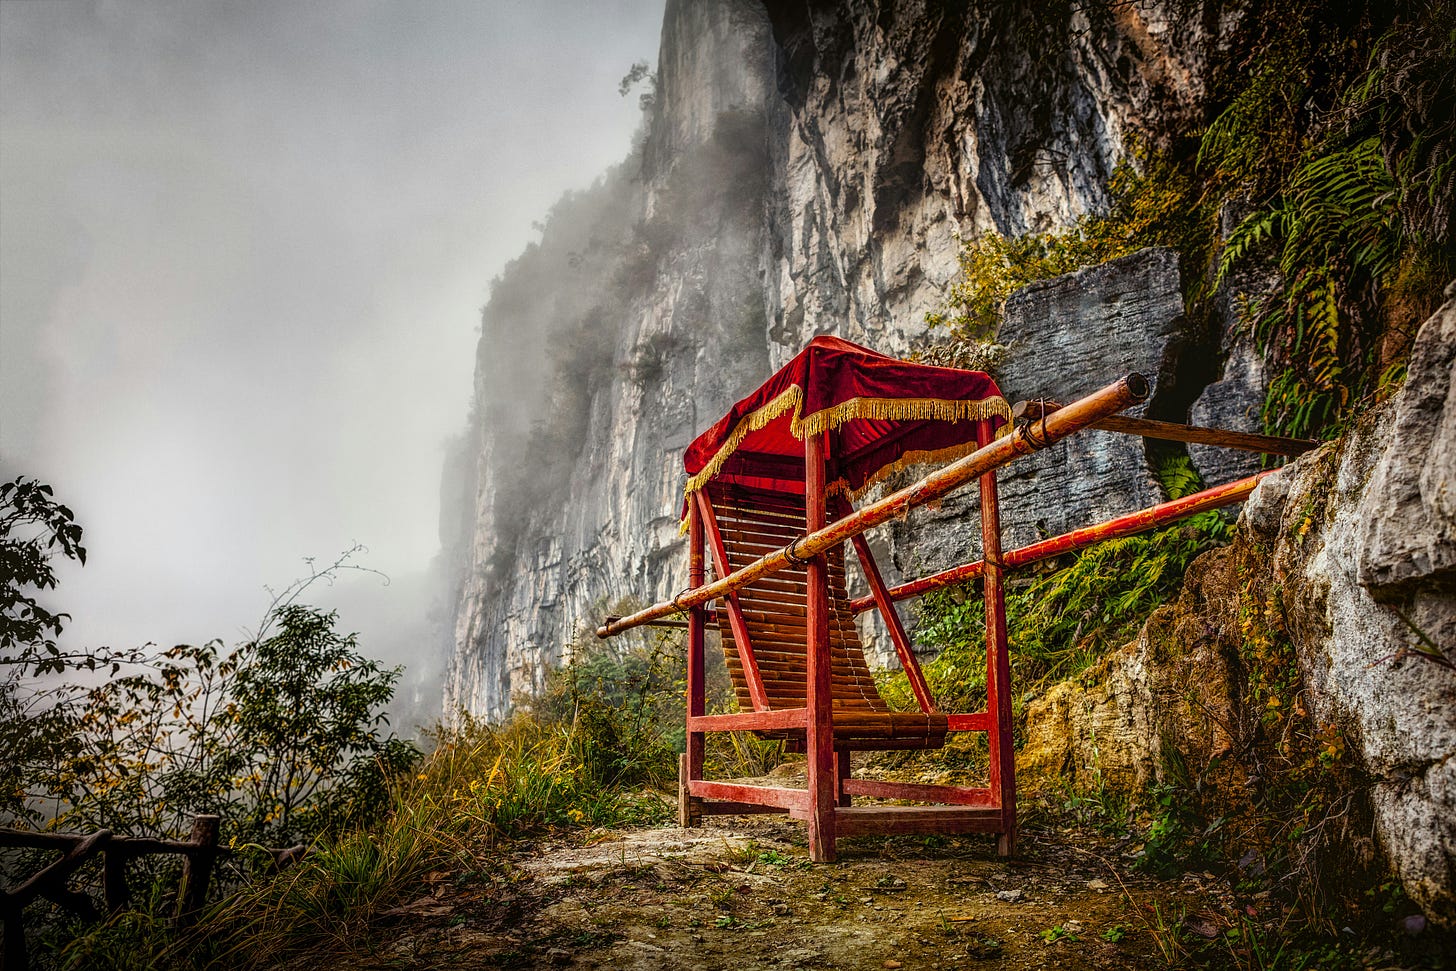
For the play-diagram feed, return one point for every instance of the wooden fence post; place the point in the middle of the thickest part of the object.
(197, 868)
(113, 881)
(16, 957)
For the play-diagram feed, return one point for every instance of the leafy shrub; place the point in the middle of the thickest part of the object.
(480, 786)
(623, 699)
(280, 736)
(33, 526)
(625, 702)
(1061, 621)
(34, 733)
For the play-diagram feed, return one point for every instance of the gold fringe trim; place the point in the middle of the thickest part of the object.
(791, 398)
(907, 461)
(828, 419)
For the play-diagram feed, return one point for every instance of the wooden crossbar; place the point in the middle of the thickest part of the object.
(1175, 432)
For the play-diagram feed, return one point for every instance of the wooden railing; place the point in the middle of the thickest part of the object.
(200, 854)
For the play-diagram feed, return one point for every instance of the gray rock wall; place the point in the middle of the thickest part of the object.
(903, 128)
(1065, 338)
(643, 315)
(807, 169)
(1355, 541)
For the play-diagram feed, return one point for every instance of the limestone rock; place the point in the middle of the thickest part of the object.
(1116, 725)
(905, 126)
(1232, 402)
(807, 169)
(1409, 514)
(1066, 337)
(605, 349)
(1308, 534)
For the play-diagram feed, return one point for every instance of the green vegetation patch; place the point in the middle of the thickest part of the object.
(1061, 621)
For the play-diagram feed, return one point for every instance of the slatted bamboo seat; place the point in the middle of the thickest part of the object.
(750, 524)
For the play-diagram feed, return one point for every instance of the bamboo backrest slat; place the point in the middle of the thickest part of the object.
(750, 524)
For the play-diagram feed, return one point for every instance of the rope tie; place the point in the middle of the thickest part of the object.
(791, 556)
(1026, 425)
(677, 598)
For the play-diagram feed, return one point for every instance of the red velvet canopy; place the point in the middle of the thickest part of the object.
(881, 413)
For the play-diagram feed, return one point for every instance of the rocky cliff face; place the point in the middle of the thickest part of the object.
(901, 127)
(604, 349)
(807, 169)
(1318, 634)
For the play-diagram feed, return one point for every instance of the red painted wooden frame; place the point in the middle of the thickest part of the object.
(826, 805)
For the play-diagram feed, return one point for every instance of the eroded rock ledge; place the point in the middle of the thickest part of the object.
(1334, 602)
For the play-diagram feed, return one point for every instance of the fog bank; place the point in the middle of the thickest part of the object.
(243, 249)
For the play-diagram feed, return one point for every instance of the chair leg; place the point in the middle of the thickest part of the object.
(690, 763)
(819, 733)
(841, 772)
(689, 807)
(998, 663)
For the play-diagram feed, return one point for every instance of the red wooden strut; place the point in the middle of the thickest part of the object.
(998, 661)
(746, 657)
(880, 595)
(823, 781)
(1078, 539)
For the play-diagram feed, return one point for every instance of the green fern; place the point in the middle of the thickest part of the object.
(1337, 233)
(1352, 168)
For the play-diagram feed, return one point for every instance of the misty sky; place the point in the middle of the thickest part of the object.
(243, 247)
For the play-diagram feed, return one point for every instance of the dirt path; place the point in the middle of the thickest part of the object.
(740, 893)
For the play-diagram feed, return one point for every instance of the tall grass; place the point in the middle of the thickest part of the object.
(607, 724)
(481, 786)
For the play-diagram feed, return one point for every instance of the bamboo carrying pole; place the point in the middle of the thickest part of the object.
(1173, 432)
(1078, 539)
(1023, 441)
